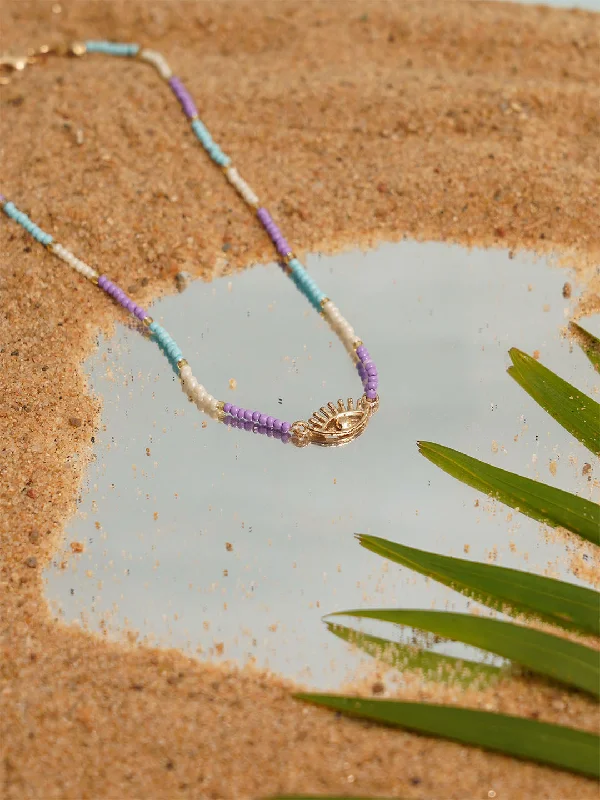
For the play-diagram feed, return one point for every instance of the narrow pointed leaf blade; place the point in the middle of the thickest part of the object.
(575, 411)
(537, 500)
(589, 343)
(434, 666)
(545, 743)
(503, 589)
(552, 656)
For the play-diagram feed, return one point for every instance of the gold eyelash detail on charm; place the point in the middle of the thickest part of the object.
(332, 426)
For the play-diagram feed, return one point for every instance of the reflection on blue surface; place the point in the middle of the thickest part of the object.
(232, 546)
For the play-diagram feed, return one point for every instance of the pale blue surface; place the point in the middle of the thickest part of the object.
(438, 321)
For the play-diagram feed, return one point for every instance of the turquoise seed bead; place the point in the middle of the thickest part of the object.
(112, 48)
(305, 283)
(167, 344)
(13, 212)
(205, 139)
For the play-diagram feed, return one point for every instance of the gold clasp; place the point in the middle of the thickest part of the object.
(11, 64)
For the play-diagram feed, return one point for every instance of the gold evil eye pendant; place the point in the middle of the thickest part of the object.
(332, 426)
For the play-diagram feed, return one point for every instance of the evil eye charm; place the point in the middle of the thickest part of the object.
(332, 426)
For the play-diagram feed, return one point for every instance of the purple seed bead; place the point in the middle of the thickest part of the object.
(233, 411)
(371, 394)
(240, 413)
(277, 423)
(285, 437)
(248, 415)
(227, 408)
(270, 433)
(255, 416)
(184, 97)
(361, 352)
(283, 247)
(272, 229)
(248, 426)
(277, 434)
(372, 369)
(270, 421)
(285, 426)
(263, 420)
(2, 199)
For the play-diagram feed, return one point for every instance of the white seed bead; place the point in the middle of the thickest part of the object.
(197, 393)
(200, 393)
(235, 179)
(157, 60)
(201, 401)
(73, 261)
(213, 407)
(341, 326)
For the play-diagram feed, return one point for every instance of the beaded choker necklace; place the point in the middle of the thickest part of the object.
(332, 425)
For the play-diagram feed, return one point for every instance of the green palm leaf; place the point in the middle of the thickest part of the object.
(537, 500)
(588, 343)
(543, 653)
(555, 745)
(503, 589)
(434, 666)
(575, 411)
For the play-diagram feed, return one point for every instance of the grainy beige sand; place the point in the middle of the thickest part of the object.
(356, 121)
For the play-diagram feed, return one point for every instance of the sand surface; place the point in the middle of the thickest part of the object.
(471, 122)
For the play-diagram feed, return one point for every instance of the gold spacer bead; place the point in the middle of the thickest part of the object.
(147, 321)
(94, 280)
(357, 343)
(288, 257)
(182, 363)
(221, 406)
(194, 117)
(77, 49)
(324, 301)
